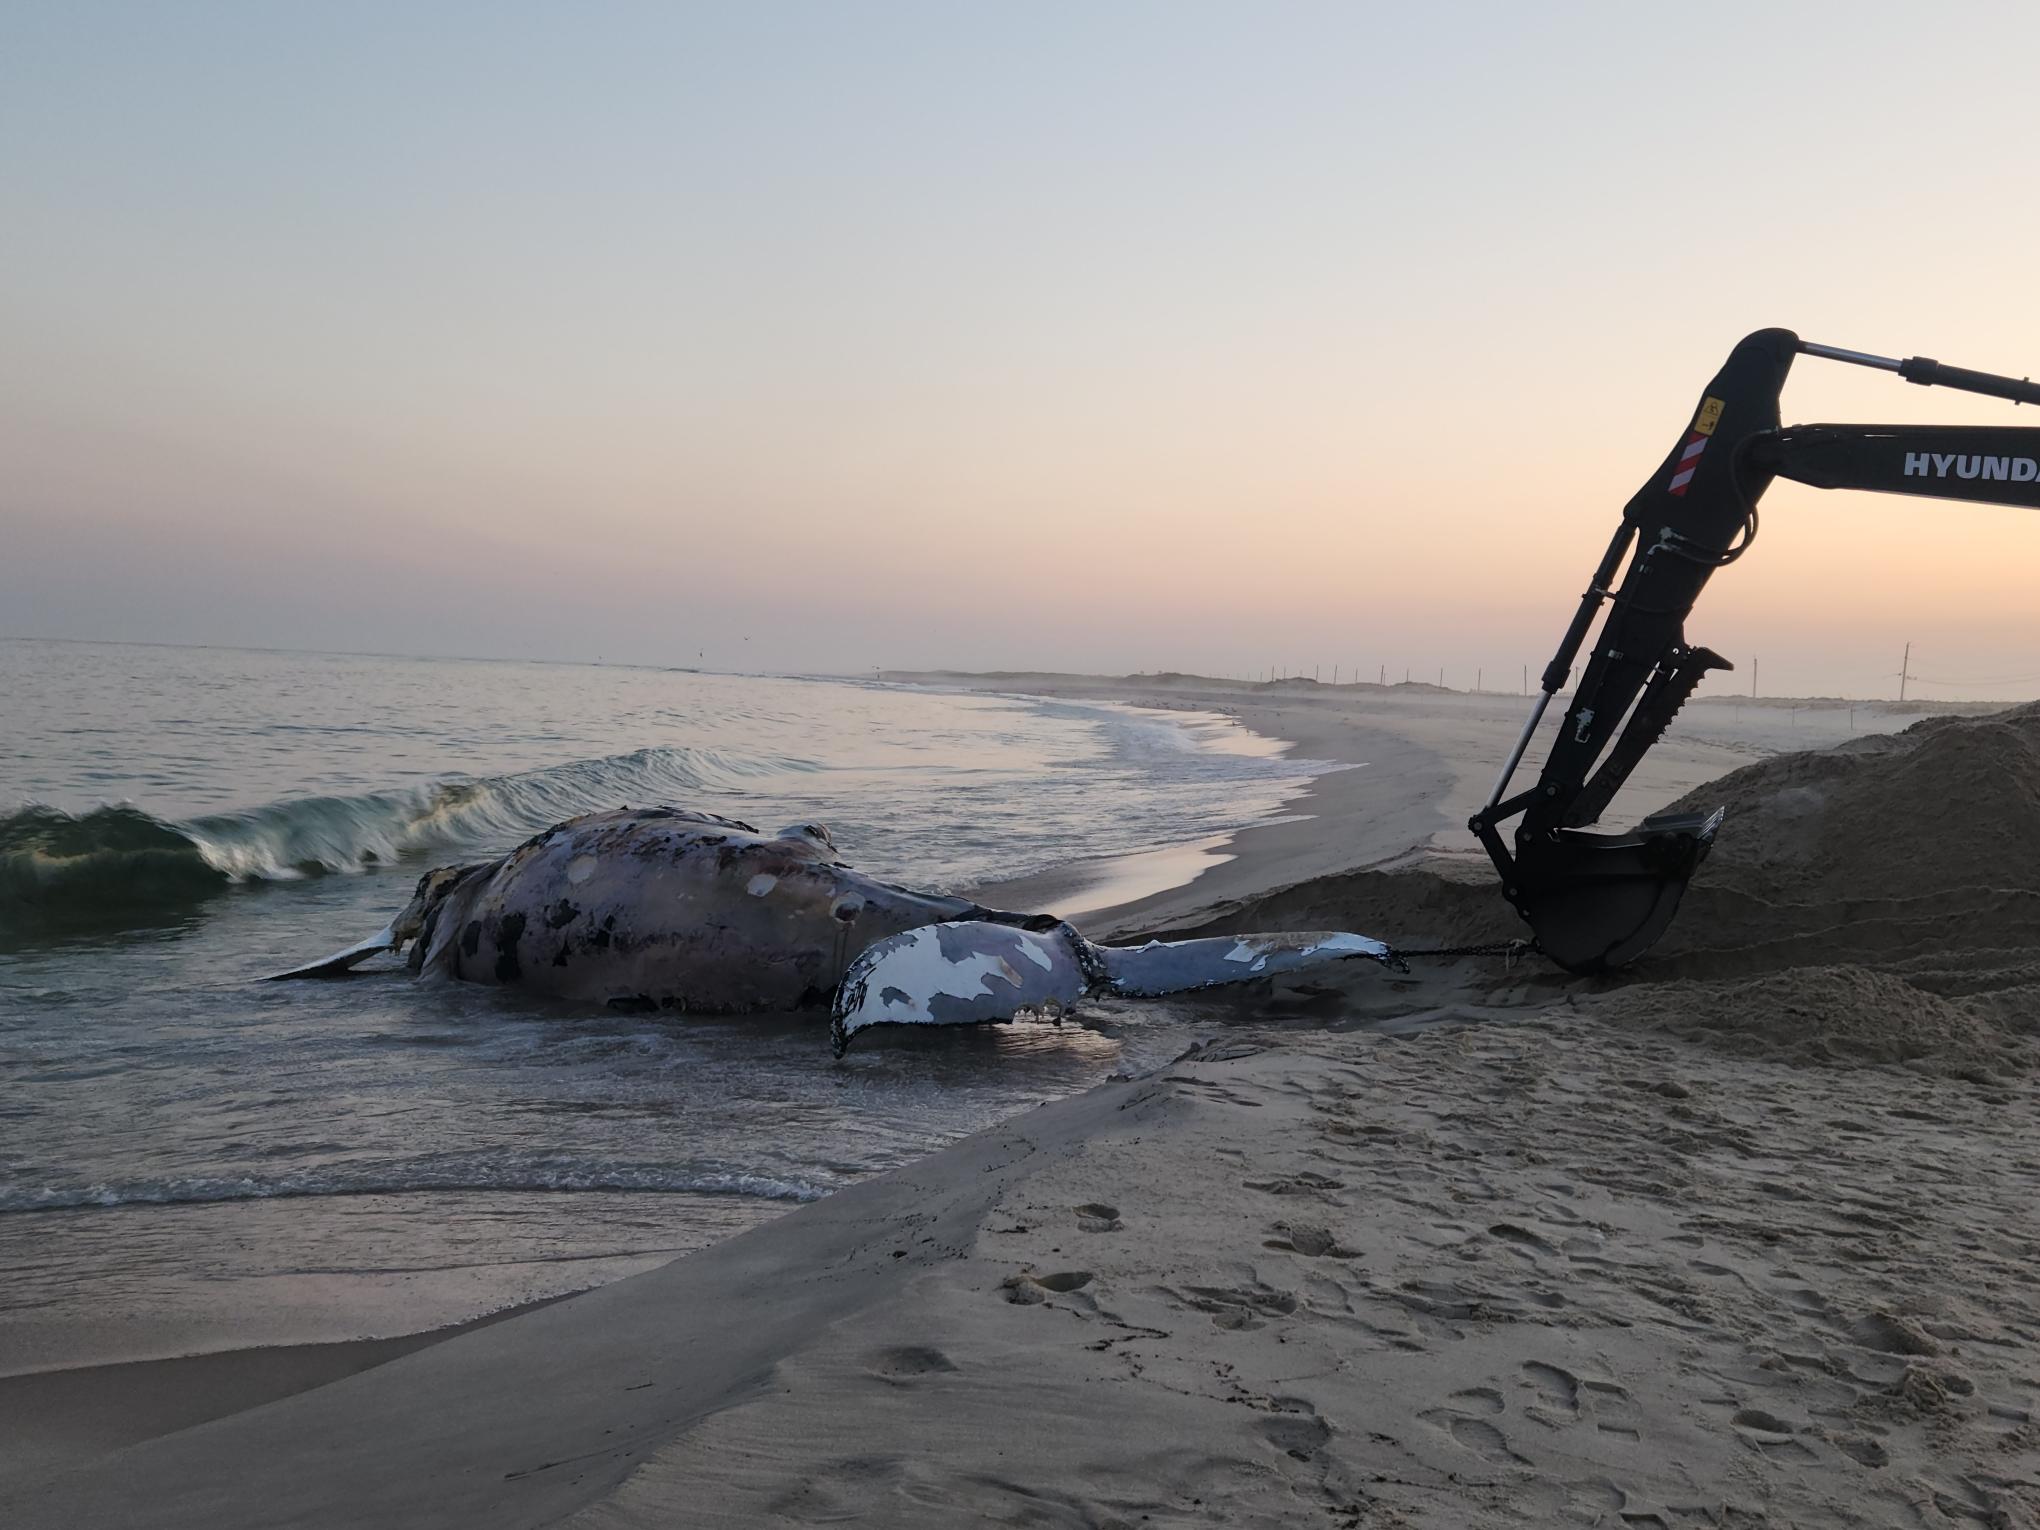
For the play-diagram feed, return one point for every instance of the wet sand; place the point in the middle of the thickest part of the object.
(1538, 1265)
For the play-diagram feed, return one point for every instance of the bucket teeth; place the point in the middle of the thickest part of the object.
(1669, 689)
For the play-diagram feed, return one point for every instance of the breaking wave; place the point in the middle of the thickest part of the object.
(416, 1179)
(105, 867)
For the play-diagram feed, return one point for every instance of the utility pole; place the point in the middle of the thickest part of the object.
(1477, 673)
(1526, 679)
(1441, 677)
(1335, 676)
(1315, 671)
(1384, 674)
(1904, 671)
(1753, 679)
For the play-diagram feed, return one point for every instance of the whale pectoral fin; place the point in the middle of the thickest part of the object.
(965, 973)
(1177, 966)
(339, 963)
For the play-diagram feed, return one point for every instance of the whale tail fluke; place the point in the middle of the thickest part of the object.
(974, 973)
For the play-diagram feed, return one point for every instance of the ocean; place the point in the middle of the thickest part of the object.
(187, 1151)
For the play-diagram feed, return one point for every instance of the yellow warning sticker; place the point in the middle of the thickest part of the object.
(1709, 416)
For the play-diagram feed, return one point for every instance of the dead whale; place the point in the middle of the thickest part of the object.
(654, 908)
(660, 908)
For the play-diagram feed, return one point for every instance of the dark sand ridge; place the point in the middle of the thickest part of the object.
(1570, 1269)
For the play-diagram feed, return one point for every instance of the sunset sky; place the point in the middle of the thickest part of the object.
(1113, 336)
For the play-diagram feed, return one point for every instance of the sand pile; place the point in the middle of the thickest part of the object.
(1916, 844)
(1950, 803)
(1880, 902)
(1843, 1016)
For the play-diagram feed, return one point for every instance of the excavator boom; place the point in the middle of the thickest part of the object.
(1995, 465)
(1596, 901)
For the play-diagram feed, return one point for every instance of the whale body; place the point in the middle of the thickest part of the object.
(662, 908)
(654, 908)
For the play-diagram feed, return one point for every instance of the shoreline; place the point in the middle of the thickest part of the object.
(1376, 795)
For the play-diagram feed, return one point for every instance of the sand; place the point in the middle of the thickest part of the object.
(1525, 1276)
(1541, 1272)
(1742, 1237)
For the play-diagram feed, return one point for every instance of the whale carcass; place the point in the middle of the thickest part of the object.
(661, 908)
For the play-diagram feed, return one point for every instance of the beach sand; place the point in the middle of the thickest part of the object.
(1749, 1242)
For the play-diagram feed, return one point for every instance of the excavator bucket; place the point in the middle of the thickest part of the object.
(1598, 901)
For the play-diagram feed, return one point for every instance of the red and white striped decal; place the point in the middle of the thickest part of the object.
(1689, 459)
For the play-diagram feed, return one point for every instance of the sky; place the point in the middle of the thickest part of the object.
(820, 337)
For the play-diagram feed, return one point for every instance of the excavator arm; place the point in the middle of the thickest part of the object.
(1596, 901)
(1977, 462)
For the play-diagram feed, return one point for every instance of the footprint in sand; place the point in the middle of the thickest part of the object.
(1969, 1500)
(1237, 1307)
(1302, 1183)
(1563, 1399)
(907, 1362)
(1893, 1334)
(1478, 1436)
(1313, 1240)
(1097, 1217)
(1522, 1239)
(1558, 1394)
(1614, 1412)
(1218, 1092)
(1595, 1498)
(1066, 1280)
(1478, 1400)
(1027, 1290)
(1862, 1449)
(1807, 1302)
(1301, 1434)
(1462, 1418)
